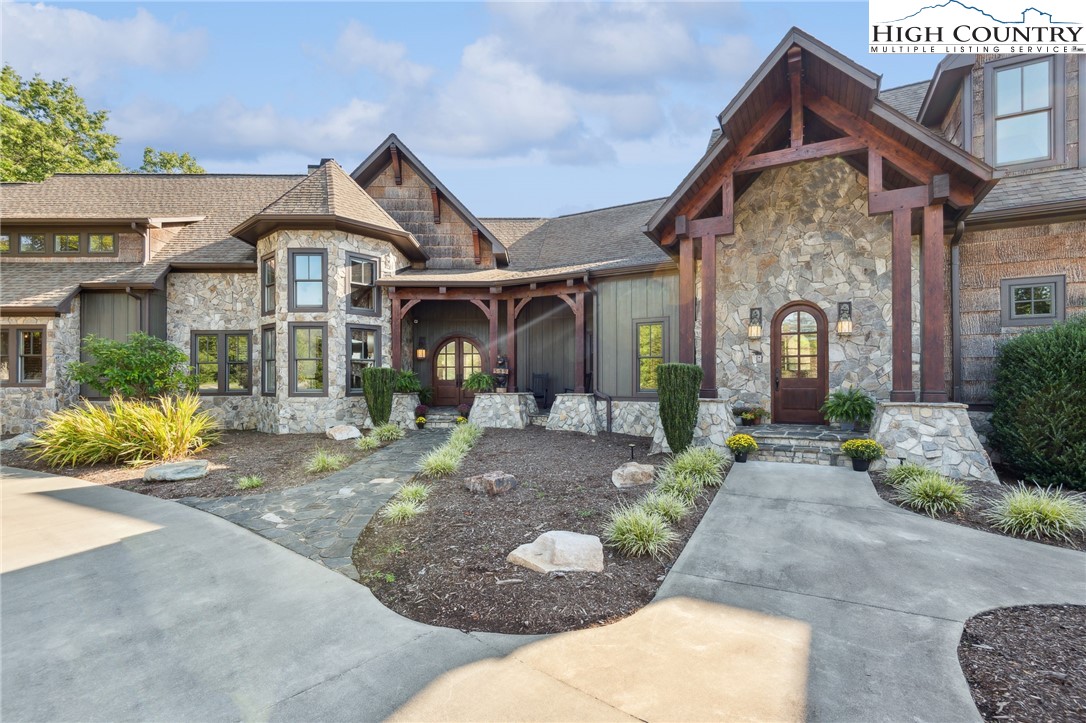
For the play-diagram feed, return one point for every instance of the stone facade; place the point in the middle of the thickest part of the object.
(715, 424)
(982, 425)
(574, 413)
(403, 410)
(23, 408)
(635, 418)
(938, 436)
(503, 411)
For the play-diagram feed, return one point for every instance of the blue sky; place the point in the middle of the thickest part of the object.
(522, 109)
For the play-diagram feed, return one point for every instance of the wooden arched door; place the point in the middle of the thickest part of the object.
(799, 363)
(456, 359)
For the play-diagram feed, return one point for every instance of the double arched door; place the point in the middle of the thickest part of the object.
(456, 359)
(800, 364)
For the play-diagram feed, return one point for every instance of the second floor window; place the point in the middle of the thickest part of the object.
(362, 280)
(267, 285)
(66, 243)
(32, 243)
(307, 280)
(1022, 112)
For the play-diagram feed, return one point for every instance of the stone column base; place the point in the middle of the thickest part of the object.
(938, 436)
(403, 410)
(574, 413)
(502, 411)
(715, 425)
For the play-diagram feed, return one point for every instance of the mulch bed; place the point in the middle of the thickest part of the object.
(278, 459)
(985, 493)
(447, 567)
(1027, 663)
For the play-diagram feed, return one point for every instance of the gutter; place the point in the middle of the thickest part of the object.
(956, 391)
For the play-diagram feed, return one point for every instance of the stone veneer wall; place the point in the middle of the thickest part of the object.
(939, 436)
(22, 408)
(715, 424)
(634, 418)
(803, 233)
(503, 411)
(574, 413)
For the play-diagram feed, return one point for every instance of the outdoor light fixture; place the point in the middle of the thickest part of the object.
(754, 328)
(844, 318)
(420, 348)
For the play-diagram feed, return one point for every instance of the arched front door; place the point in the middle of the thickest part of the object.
(799, 362)
(456, 359)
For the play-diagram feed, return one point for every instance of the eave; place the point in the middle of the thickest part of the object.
(263, 224)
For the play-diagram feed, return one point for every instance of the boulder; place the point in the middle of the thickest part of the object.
(492, 483)
(559, 550)
(175, 471)
(341, 432)
(632, 474)
(17, 442)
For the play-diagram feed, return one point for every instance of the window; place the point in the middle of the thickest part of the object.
(1024, 112)
(267, 360)
(650, 352)
(5, 242)
(1033, 301)
(66, 243)
(362, 351)
(32, 243)
(101, 243)
(223, 362)
(362, 283)
(307, 359)
(22, 356)
(307, 274)
(267, 284)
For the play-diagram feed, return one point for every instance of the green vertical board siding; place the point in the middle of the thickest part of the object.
(619, 304)
(438, 320)
(108, 314)
(546, 345)
(157, 314)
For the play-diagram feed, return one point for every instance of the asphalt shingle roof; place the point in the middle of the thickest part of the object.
(511, 230)
(1035, 189)
(47, 284)
(329, 191)
(906, 99)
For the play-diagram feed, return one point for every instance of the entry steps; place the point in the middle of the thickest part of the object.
(802, 443)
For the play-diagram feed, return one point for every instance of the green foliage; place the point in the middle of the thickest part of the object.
(466, 433)
(1038, 513)
(479, 382)
(1039, 418)
(367, 444)
(378, 383)
(144, 366)
(168, 162)
(126, 431)
(408, 383)
(680, 485)
(849, 405)
(635, 531)
(867, 449)
(669, 506)
(704, 464)
(426, 395)
(250, 482)
(441, 462)
(388, 433)
(324, 460)
(414, 491)
(934, 494)
(400, 511)
(903, 473)
(678, 391)
(740, 443)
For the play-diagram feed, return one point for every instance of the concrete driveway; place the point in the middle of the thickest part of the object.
(801, 595)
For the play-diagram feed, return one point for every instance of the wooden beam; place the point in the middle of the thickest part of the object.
(511, 342)
(520, 306)
(936, 191)
(901, 292)
(435, 199)
(397, 345)
(397, 170)
(475, 245)
(715, 226)
(686, 301)
(795, 79)
(933, 303)
(408, 306)
(789, 156)
(874, 171)
(727, 205)
(681, 228)
(708, 317)
(578, 344)
(569, 302)
(492, 315)
(483, 306)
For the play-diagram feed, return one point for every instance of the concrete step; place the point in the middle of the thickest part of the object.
(540, 419)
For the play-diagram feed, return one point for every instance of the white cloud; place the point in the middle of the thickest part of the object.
(357, 47)
(71, 43)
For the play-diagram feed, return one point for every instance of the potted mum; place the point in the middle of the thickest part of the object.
(420, 422)
(741, 445)
(862, 452)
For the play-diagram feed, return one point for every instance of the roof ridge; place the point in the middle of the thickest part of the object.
(330, 183)
(169, 175)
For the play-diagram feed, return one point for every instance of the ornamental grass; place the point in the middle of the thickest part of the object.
(933, 494)
(636, 531)
(1035, 512)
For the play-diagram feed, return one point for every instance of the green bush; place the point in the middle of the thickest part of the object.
(850, 406)
(479, 382)
(250, 482)
(378, 383)
(388, 433)
(934, 494)
(128, 431)
(368, 444)
(1038, 513)
(325, 461)
(408, 383)
(867, 449)
(399, 512)
(903, 473)
(143, 366)
(678, 387)
(704, 464)
(635, 531)
(414, 491)
(1039, 418)
(679, 484)
(669, 506)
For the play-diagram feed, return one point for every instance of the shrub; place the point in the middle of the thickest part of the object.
(679, 485)
(440, 462)
(867, 449)
(740, 443)
(414, 491)
(388, 433)
(463, 409)
(669, 506)
(426, 395)
(144, 366)
(635, 531)
(1038, 513)
(325, 461)
(466, 433)
(461, 420)
(704, 464)
(421, 410)
(399, 512)
(479, 382)
(368, 444)
(934, 494)
(678, 386)
(250, 482)
(903, 473)
(1039, 418)
(378, 384)
(408, 382)
(849, 405)
(128, 431)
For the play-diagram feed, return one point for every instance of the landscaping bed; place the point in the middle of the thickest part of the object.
(985, 493)
(1027, 663)
(447, 566)
(278, 459)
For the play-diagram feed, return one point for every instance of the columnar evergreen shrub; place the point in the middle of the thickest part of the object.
(1039, 419)
(678, 386)
(378, 384)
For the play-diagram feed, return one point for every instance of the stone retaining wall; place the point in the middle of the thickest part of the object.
(574, 413)
(403, 410)
(938, 436)
(635, 418)
(715, 424)
(503, 411)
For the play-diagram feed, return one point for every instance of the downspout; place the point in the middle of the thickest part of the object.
(955, 312)
(596, 354)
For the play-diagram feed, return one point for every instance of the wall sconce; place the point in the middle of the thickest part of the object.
(420, 348)
(844, 318)
(754, 328)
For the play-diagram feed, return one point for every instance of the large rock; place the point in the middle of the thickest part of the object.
(341, 432)
(176, 471)
(492, 483)
(632, 474)
(559, 550)
(17, 442)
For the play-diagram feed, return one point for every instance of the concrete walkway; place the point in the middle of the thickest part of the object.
(800, 595)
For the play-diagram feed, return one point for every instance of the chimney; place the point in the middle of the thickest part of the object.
(310, 168)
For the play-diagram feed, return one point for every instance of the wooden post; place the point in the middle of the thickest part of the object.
(397, 346)
(932, 343)
(795, 78)
(511, 341)
(686, 301)
(708, 316)
(492, 316)
(902, 308)
(578, 343)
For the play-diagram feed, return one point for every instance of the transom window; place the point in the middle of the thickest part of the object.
(267, 363)
(307, 280)
(57, 242)
(267, 285)
(362, 352)
(1032, 301)
(222, 361)
(22, 356)
(32, 243)
(101, 243)
(307, 360)
(650, 353)
(362, 280)
(1022, 112)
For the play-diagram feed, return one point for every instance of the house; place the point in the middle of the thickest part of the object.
(833, 234)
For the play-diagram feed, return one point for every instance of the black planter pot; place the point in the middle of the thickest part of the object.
(860, 465)
(420, 425)
(740, 456)
(747, 422)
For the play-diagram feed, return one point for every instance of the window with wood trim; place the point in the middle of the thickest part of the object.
(32, 243)
(1032, 301)
(267, 361)
(22, 356)
(1024, 110)
(651, 345)
(308, 274)
(223, 361)
(362, 292)
(65, 243)
(363, 350)
(5, 243)
(308, 359)
(101, 243)
(267, 284)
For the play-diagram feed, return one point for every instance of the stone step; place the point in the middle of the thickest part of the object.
(805, 444)
(539, 420)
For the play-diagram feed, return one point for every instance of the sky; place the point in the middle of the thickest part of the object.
(521, 109)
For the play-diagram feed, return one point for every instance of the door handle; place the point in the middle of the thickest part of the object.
(777, 380)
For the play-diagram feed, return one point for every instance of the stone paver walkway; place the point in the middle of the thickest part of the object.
(323, 520)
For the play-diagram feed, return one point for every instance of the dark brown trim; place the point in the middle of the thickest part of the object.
(708, 317)
(639, 394)
(14, 331)
(932, 306)
(1032, 215)
(291, 253)
(350, 256)
(292, 389)
(222, 363)
(10, 312)
(942, 88)
(1059, 300)
(212, 267)
(376, 329)
(275, 361)
(822, 333)
(686, 301)
(263, 224)
(901, 293)
(264, 310)
(15, 231)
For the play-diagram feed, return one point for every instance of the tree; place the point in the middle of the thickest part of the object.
(168, 162)
(46, 128)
